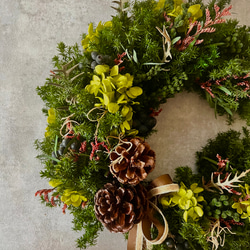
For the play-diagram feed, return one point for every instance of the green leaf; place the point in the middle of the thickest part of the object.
(129, 57)
(100, 99)
(220, 103)
(135, 56)
(199, 211)
(224, 89)
(193, 42)
(113, 107)
(228, 111)
(153, 63)
(50, 157)
(56, 142)
(175, 40)
(108, 97)
(99, 69)
(106, 100)
(134, 92)
(122, 99)
(126, 125)
(108, 86)
(185, 215)
(210, 160)
(121, 90)
(114, 71)
(125, 111)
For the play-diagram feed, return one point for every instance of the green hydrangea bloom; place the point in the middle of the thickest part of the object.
(195, 11)
(115, 92)
(187, 200)
(93, 36)
(247, 213)
(54, 183)
(177, 9)
(243, 204)
(71, 197)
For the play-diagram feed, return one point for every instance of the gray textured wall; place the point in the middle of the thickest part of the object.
(29, 33)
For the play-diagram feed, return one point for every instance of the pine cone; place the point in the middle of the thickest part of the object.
(132, 161)
(118, 208)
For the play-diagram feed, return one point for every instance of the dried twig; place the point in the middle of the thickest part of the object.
(216, 232)
(229, 184)
(226, 184)
(65, 69)
(120, 7)
(166, 41)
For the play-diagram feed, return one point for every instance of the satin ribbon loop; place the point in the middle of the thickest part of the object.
(150, 221)
(140, 235)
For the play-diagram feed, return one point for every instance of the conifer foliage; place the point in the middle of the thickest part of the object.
(102, 101)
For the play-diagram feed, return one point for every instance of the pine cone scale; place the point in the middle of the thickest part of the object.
(121, 177)
(127, 208)
(131, 173)
(129, 195)
(149, 160)
(120, 166)
(131, 218)
(140, 149)
(121, 220)
(143, 174)
(121, 191)
(136, 162)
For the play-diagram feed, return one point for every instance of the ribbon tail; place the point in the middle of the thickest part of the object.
(140, 237)
(135, 238)
(149, 246)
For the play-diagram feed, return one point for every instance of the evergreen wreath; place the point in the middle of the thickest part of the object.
(102, 104)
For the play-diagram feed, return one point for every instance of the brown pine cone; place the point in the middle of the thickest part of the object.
(119, 208)
(132, 161)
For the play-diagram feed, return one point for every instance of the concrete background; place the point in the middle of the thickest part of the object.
(29, 33)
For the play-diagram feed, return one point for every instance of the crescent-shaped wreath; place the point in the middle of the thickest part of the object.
(102, 104)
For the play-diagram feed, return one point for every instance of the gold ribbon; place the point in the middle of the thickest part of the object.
(140, 235)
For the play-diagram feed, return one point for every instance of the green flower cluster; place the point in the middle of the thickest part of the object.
(187, 200)
(243, 204)
(115, 92)
(93, 36)
(71, 197)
